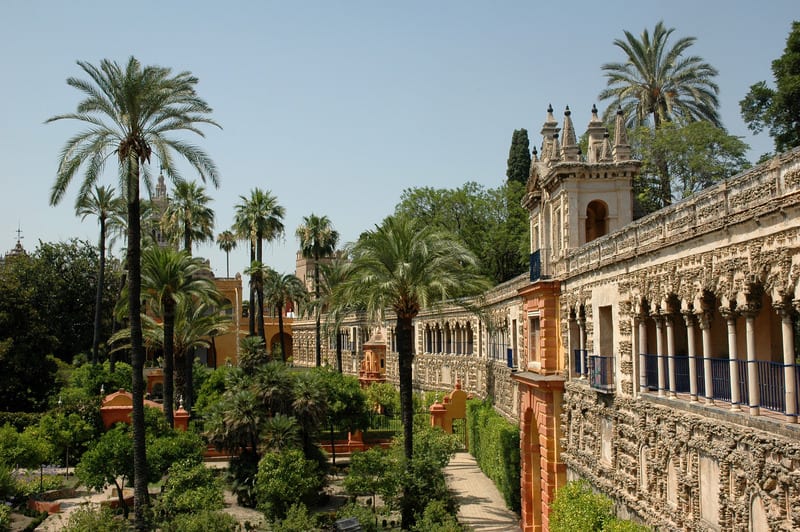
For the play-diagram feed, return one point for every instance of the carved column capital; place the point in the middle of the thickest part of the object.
(689, 317)
(728, 313)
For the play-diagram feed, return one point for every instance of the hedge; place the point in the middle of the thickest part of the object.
(494, 442)
(20, 420)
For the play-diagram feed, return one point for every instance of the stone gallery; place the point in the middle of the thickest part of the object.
(654, 357)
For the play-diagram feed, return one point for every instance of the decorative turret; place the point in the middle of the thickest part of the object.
(570, 150)
(549, 129)
(596, 133)
(622, 150)
(605, 150)
(555, 151)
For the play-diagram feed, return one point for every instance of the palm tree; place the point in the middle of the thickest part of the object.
(405, 267)
(333, 274)
(227, 243)
(188, 215)
(129, 111)
(279, 292)
(100, 202)
(258, 218)
(657, 83)
(257, 273)
(318, 239)
(168, 277)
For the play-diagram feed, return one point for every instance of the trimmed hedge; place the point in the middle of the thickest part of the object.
(578, 507)
(494, 442)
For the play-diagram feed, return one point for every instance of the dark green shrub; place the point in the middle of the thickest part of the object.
(19, 420)
(203, 521)
(494, 442)
(88, 519)
(366, 516)
(8, 486)
(437, 518)
(284, 479)
(190, 487)
(5, 518)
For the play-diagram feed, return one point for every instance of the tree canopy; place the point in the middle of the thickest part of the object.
(777, 110)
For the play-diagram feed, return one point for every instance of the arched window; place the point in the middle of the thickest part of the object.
(596, 220)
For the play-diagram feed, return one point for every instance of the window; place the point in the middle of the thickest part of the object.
(596, 220)
(534, 337)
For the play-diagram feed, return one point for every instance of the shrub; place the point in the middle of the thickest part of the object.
(367, 518)
(297, 520)
(32, 483)
(19, 420)
(618, 525)
(203, 521)
(284, 479)
(5, 517)
(437, 518)
(8, 486)
(103, 519)
(91, 377)
(577, 507)
(494, 442)
(190, 487)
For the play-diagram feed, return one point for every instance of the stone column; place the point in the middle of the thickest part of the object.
(671, 353)
(642, 353)
(704, 320)
(660, 355)
(789, 368)
(688, 317)
(753, 391)
(582, 340)
(730, 318)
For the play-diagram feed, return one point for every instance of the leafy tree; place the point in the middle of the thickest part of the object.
(188, 216)
(697, 155)
(384, 396)
(22, 449)
(227, 243)
(258, 218)
(777, 109)
(408, 267)
(252, 353)
(298, 519)
(109, 461)
(346, 404)
(129, 111)
(367, 473)
(333, 274)
(103, 203)
(318, 240)
(66, 433)
(519, 157)
(659, 83)
(190, 487)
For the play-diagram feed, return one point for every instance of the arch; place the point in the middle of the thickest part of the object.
(596, 220)
(758, 514)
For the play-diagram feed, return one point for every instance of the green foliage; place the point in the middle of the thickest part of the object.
(252, 353)
(495, 444)
(67, 434)
(23, 449)
(490, 223)
(241, 477)
(8, 486)
(437, 517)
(385, 396)
(108, 461)
(171, 447)
(5, 518)
(190, 488)
(91, 378)
(203, 521)
(90, 519)
(695, 156)
(19, 420)
(33, 483)
(367, 518)
(577, 507)
(346, 403)
(284, 479)
(367, 473)
(777, 109)
(297, 520)
(519, 157)
(212, 388)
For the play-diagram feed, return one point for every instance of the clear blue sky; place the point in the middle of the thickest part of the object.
(338, 106)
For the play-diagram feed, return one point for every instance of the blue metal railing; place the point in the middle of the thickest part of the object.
(651, 371)
(601, 372)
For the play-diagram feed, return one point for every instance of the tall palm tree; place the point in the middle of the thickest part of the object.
(103, 203)
(318, 239)
(227, 243)
(258, 218)
(332, 275)
(257, 273)
(188, 216)
(129, 111)
(406, 267)
(658, 83)
(168, 277)
(281, 290)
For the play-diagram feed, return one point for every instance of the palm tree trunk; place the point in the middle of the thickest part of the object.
(280, 333)
(98, 298)
(319, 310)
(260, 289)
(112, 356)
(252, 310)
(406, 358)
(227, 264)
(137, 348)
(169, 360)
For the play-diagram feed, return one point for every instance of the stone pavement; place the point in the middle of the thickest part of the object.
(482, 506)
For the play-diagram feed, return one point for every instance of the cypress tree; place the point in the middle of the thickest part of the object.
(519, 157)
